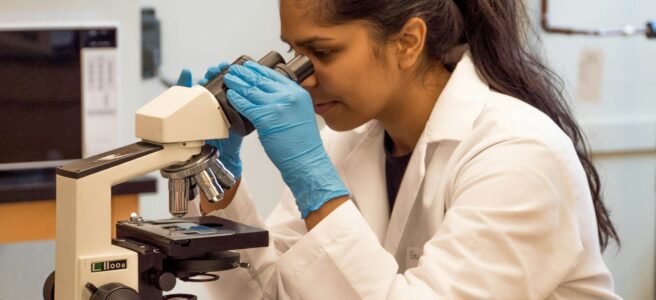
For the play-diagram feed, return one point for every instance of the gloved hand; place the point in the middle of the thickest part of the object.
(283, 114)
(228, 148)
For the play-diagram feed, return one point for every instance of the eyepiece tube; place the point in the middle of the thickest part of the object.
(298, 69)
(271, 59)
(302, 67)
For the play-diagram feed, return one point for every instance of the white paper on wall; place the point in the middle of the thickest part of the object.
(591, 74)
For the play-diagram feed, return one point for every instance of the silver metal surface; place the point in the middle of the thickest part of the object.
(203, 171)
(210, 186)
(179, 196)
(191, 167)
(225, 177)
(136, 219)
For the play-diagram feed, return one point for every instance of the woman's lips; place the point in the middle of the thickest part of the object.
(320, 108)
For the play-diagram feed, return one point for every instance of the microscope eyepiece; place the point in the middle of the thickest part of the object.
(298, 69)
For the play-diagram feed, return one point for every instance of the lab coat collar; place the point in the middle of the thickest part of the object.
(458, 106)
(452, 118)
(364, 175)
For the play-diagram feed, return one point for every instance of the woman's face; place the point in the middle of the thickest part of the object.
(350, 84)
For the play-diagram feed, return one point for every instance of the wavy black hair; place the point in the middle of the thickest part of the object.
(496, 33)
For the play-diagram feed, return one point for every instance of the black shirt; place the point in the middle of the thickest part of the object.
(394, 169)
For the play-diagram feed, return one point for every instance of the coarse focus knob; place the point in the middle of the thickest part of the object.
(112, 291)
(163, 281)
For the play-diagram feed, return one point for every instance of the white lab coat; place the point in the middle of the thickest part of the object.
(494, 204)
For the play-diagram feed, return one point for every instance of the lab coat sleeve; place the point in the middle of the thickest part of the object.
(510, 233)
(260, 281)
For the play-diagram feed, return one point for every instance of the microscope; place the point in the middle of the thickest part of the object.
(148, 256)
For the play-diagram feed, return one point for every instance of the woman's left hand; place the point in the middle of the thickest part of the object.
(283, 114)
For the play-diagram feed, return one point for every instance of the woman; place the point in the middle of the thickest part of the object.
(451, 167)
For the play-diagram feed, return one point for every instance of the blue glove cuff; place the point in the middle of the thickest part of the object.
(314, 188)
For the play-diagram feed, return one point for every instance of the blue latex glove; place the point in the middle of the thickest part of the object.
(228, 148)
(283, 114)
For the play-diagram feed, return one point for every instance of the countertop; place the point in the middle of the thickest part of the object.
(39, 184)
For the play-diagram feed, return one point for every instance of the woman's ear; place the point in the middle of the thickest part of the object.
(410, 42)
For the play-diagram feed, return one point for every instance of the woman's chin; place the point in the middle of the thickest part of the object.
(339, 124)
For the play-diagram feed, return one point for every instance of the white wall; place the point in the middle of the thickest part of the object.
(621, 124)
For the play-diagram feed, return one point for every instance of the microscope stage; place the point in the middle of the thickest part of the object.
(193, 236)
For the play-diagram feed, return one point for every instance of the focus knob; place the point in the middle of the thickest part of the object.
(112, 291)
(163, 281)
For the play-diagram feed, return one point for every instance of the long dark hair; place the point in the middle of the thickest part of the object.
(496, 33)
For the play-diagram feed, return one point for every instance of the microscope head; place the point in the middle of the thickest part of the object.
(173, 117)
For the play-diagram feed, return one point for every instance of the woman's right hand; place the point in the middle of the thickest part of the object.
(283, 114)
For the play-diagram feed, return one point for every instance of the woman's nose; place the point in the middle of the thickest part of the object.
(309, 82)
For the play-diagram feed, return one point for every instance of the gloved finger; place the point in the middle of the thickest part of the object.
(185, 78)
(240, 103)
(237, 84)
(268, 72)
(271, 87)
(258, 80)
(214, 71)
(254, 79)
(252, 93)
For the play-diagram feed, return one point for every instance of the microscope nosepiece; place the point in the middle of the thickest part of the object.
(203, 170)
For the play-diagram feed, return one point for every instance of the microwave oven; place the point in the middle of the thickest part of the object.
(58, 93)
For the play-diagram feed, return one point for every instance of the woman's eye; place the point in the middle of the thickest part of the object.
(322, 53)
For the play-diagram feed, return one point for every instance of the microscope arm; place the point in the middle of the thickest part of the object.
(83, 206)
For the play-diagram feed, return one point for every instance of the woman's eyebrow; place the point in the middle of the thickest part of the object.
(308, 40)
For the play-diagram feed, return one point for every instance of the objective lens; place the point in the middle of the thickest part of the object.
(225, 178)
(179, 196)
(209, 185)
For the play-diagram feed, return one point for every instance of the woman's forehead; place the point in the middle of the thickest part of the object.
(298, 11)
(299, 20)
(301, 23)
